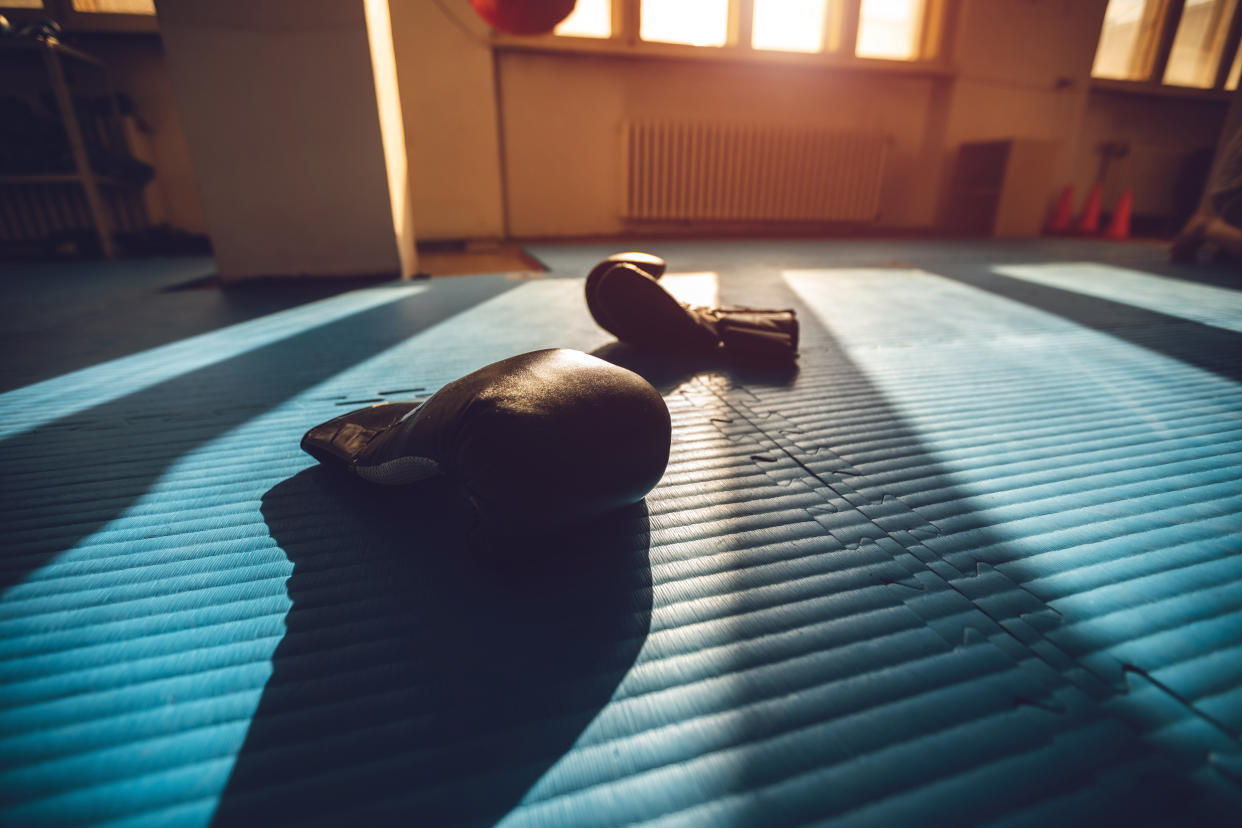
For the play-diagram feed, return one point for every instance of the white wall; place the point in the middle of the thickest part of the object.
(279, 101)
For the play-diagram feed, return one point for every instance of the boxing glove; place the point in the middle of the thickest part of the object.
(625, 297)
(538, 441)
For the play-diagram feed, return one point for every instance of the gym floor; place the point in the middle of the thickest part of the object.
(974, 561)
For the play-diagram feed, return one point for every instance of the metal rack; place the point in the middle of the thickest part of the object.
(35, 203)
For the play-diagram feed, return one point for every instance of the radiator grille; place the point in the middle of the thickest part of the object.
(47, 212)
(722, 171)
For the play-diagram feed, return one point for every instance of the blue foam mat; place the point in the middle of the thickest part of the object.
(974, 562)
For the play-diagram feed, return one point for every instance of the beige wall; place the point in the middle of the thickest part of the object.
(562, 113)
(1021, 69)
(1160, 131)
(444, 66)
(563, 116)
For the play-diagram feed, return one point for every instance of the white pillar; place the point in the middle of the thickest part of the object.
(293, 119)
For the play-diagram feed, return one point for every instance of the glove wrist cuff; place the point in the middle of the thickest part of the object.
(752, 332)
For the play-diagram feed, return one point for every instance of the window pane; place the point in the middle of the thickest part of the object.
(697, 22)
(590, 18)
(889, 29)
(788, 25)
(1231, 83)
(115, 6)
(1199, 41)
(1127, 39)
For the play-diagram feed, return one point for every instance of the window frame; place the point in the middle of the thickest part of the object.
(1169, 18)
(840, 40)
(62, 12)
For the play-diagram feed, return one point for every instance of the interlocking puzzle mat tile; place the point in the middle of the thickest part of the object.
(890, 589)
(1099, 478)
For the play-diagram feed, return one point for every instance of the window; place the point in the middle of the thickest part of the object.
(85, 15)
(885, 29)
(590, 18)
(93, 6)
(1190, 43)
(1127, 39)
(889, 29)
(695, 22)
(788, 25)
(1199, 42)
(115, 6)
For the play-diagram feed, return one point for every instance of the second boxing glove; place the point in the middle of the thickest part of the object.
(537, 441)
(626, 299)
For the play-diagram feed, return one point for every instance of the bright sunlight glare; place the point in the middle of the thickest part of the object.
(888, 29)
(590, 18)
(697, 288)
(789, 25)
(696, 22)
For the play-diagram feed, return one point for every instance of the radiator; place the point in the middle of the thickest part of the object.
(47, 211)
(723, 171)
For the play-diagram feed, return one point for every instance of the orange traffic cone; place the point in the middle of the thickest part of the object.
(1119, 226)
(1059, 221)
(1089, 220)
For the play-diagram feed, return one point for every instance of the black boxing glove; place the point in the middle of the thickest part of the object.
(624, 295)
(537, 441)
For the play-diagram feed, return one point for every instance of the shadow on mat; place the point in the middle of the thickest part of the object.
(667, 372)
(417, 683)
(87, 326)
(123, 446)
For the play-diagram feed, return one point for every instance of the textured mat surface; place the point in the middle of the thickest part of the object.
(976, 561)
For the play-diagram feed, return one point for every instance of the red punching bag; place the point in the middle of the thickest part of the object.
(523, 17)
